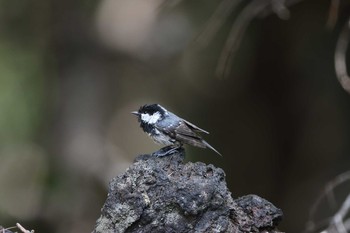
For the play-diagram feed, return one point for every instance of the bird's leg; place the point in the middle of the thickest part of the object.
(168, 150)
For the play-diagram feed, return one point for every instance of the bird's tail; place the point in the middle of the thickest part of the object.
(212, 148)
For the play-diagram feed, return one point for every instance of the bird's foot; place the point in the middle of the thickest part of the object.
(168, 150)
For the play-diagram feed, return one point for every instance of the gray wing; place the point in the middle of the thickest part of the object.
(185, 133)
(181, 131)
(195, 128)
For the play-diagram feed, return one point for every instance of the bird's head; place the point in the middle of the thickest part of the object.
(150, 113)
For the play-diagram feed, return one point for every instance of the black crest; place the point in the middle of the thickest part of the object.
(151, 109)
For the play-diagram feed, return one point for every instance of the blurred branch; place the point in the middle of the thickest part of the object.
(280, 9)
(23, 229)
(338, 222)
(212, 26)
(6, 230)
(338, 218)
(263, 8)
(19, 226)
(235, 36)
(340, 57)
(239, 26)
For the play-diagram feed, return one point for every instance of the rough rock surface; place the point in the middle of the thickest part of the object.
(167, 195)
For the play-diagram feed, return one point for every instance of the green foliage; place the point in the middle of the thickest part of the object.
(21, 88)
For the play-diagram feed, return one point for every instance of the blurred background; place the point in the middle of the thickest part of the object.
(258, 75)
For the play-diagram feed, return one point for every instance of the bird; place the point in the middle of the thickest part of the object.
(170, 130)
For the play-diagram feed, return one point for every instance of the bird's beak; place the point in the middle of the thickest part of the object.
(135, 113)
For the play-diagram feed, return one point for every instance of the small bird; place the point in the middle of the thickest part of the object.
(165, 128)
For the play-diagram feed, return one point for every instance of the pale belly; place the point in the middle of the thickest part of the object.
(162, 139)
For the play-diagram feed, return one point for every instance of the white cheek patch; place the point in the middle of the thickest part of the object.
(150, 119)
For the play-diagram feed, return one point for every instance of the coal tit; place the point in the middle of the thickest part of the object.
(165, 128)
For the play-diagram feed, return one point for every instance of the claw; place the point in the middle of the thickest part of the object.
(168, 150)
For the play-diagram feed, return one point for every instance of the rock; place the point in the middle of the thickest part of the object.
(166, 195)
